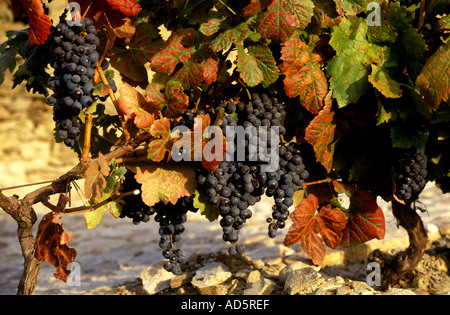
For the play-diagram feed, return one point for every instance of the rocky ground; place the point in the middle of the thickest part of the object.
(119, 258)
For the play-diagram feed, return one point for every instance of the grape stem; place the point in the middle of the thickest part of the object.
(126, 134)
(87, 137)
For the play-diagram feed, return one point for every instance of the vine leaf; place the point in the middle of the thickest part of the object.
(434, 79)
(320, 134)
(96, 178)
(162, 143)
(381, 80)
(312, 228)
(164, 182)
(185, 47)
(133, 105)
(40, 23)
(130, 59)
(115, 10)
(351, 7)
(349, 69)
(51, 244)
(366, 220)
(173, 102)
(304, 77)
(129, 8)
(248, 67)
(282, 17)
(206, 208)
(257, 66)
(174, 51)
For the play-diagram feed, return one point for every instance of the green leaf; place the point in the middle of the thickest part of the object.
(351, 7)
(206, 208)
(248, 67)
(233, 35)
(407, 135)
(434, 79)
(349, 69)
(266, 62)
(304, 76)
(9, 50)
(381, 80)
(282, 17)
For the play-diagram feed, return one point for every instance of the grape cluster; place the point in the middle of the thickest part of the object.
(134, 208)
(170, 218)
(75, 58)
(411, 173)
(238, 184)
(283, 185)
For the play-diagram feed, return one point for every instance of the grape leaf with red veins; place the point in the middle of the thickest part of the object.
(304, 77)
(164, 182)
(283, 17)
(133, 105)
(40, 23)
(313, 228)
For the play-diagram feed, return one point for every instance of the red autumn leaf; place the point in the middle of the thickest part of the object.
(174, 51)
(164, 182)
(51, 244)
(254, 7)
(40, 23)
(162, 143)
(366, 220)
(210, 69)
(304, 77)
(133, 105)
(172, 102)
(312, 228)
(320, 134)
(115, 10)
(282, 17)
(129, 8)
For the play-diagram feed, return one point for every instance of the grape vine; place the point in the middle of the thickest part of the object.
(339, 98)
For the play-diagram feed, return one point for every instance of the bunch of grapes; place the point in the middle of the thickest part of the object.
(171, 219)
(134, 208)
(411, 172)
(75, 58)
(239, 183)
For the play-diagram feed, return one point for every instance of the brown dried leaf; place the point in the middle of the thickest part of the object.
(51, 245)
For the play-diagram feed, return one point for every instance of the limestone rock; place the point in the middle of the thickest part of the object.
(286, 271)
(302, 281)
(262, 287)
(155, 278)
(209, 279)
